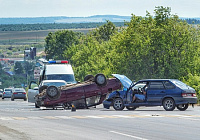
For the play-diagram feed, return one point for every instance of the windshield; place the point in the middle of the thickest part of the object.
(69, 78)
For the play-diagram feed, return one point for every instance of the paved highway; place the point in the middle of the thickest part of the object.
(20, 120)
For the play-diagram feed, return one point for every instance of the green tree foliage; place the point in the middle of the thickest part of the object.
(18, 69)
(58, 42)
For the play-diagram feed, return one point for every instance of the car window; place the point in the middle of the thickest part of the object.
(156, 85)
(139, 85)
(180, 84)
(168, 85)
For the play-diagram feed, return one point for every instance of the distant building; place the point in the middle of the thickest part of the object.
(30, 54)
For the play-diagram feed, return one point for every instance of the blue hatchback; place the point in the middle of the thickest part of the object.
(169, 93)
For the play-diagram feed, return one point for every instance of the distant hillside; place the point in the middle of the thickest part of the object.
(44, 20)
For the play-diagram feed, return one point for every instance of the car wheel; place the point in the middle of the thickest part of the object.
(2, 98)
(169, 104)
(25, 99)
(131, 107)
(42, 88)
(182, 107)
(118, 104)
(52, 92)
(12, 99)
(89, 78)
(100, 79)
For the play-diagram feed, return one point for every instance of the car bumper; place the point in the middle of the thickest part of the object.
(22, 96)
(186, 100)
(107, 104)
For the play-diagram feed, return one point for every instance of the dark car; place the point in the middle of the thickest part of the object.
(18, 93)
(169, 93)
(92, 91)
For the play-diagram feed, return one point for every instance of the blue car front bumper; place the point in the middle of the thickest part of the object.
(107, 104)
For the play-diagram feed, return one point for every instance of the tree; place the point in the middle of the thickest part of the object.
(18, 69)
(58, 42)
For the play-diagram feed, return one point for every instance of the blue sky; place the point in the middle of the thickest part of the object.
(84, 8)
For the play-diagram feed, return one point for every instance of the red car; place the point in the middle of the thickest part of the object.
(91, 92)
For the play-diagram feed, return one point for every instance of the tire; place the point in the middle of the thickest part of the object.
(42, 88)
(131, 108)
(182, 107)
(52, 92)
(89, 78)
(118, 104)
(25, 99)
(12, 99)
(100, 79)
(2, 98)
(168, 104)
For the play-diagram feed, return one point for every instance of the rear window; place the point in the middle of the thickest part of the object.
(19, 90)
(179, 84)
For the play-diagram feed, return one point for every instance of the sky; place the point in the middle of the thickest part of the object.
(85, 8)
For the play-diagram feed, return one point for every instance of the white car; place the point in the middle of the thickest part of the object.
(35, 89)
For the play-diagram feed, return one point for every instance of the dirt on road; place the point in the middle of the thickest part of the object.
(7, 133)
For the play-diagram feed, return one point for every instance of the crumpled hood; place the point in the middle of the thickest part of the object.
(126, 82)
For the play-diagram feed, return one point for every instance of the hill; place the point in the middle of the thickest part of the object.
(44, 20)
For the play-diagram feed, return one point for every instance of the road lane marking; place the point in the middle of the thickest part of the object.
(50, 117)
(95, 117)
(108, 116)
(127, 135)
(122, 116)
(64, 117)
(19, 118)
(6, 118)
(79, 117)
(35, 118)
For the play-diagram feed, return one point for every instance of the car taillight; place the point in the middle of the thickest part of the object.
(24, 93)
(188, 94)
(4, 93)
(15, 93)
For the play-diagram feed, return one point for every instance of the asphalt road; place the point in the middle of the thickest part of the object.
(21, 120)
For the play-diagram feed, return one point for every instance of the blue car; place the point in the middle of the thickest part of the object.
(169, 93)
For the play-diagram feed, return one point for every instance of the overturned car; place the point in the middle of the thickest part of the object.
(91, 92)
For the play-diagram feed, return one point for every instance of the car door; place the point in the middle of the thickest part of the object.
(155, 91)
(32, 91)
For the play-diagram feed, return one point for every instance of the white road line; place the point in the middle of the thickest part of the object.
(122, 116)
(135, 137)
(6, 118)
(64, 117)
(96, 117)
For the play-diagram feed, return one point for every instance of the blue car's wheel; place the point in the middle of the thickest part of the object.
(182, 107)
(118, 104)
(131, 108)
(169, 104)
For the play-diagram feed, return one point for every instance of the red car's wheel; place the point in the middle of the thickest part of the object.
(89, 78)
(42, 88)
(100, 79)
(53, 92)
